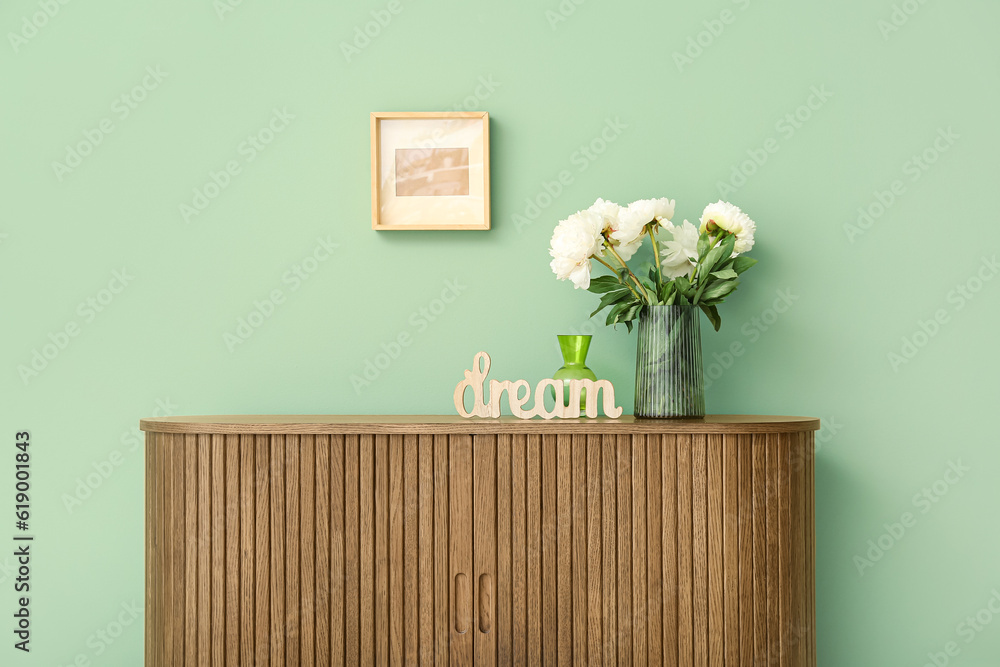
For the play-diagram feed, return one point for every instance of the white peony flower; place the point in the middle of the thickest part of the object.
(663, 209)
(633, 219)
(609, 212)
(626, 250)
(574, 241)
(681, 253)
(580, 276)
(723, 215)
(627, 242)
(578, 237)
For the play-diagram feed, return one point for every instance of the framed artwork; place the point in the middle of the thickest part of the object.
(430, 170)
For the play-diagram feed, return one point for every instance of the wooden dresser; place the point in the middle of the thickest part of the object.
(413, 540)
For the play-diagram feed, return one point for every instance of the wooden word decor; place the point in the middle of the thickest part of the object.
(490, 407)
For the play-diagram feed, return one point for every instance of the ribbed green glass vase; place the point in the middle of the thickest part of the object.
(669, 376)
(574, 351)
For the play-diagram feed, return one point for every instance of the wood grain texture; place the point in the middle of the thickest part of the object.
(484, 570)
(154, 505)
(191, 540)
(504, 582)
(730, 494)
(291, 629)
(786, 580)
(685, 552)
(425, 547)
(460, 550)
(533, 546)
(204, 553)
(624, 556)
(672, 540)
(453, 424)
(158, 553)
(797, 544)
(156, 497)
(773, 563)
(262, 552)
(746, 550)
(564, 545)
(366, 545)
(609, 553)
(307, 551)
(411, 561)
(716, 553)
(343, 571)
(639, 555)
(480, 548)
(381, 550)
(153, 647)
(811, 546)
(232, 514)
(518, 550)
(549, 511)
(321, 491)
(217, 490)
(248, 550)
(397, 567)
(655, 598)
(578, 585)
(174, 570)
(277, 561)
(595, 571)
(442, 550)
(760, 565)
(699, 548)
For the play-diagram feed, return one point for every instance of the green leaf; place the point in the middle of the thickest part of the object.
(632, 312)
(665, 291)
(616, 311)
(610, 298)
(742, 263)
(703, 244)
(725, 274)
(683, 285)
(628, 315)
(711, 259)
(603, 284)
(725, 253)
(720, 289)
(650, 289)
(713, 315)
(682, 300)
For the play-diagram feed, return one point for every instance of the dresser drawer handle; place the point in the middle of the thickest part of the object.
(463, 603)
(485, 602)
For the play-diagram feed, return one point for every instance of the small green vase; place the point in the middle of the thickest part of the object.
(574, 351)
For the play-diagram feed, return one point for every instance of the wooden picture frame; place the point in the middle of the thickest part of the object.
(430, 170)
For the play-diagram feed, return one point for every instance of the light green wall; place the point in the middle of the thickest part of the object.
(890, 432)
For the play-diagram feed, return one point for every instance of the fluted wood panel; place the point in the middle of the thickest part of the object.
(487, 549)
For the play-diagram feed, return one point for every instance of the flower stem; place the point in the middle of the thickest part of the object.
(614, 271)
(656, 256)
(636, 280)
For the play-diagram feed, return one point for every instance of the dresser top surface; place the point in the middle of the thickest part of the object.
(429, 424)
